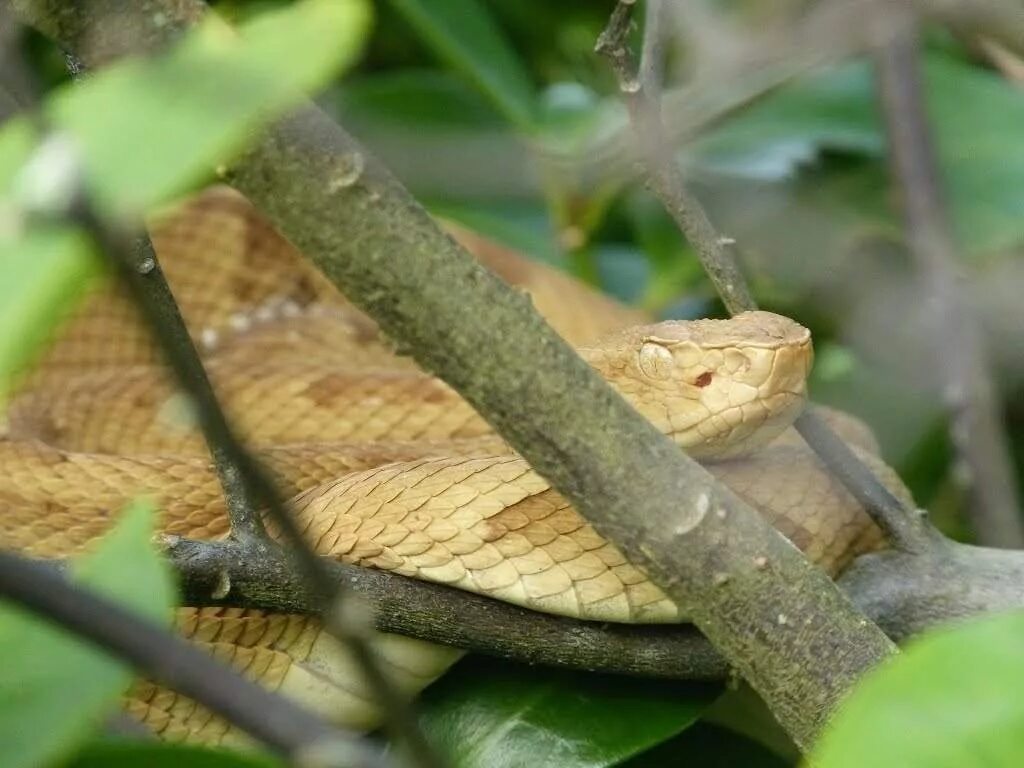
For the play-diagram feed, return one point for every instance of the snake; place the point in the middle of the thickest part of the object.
(386, 466)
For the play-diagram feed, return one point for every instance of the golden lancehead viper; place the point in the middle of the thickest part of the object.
(387, 466)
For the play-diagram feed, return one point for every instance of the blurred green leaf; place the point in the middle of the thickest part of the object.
(45, 269)
(790, 127)
(16, 140)
(54, 689)
(624, 271)
(148, 128)
(463, 34)
(491, 714)
(976, 117)
(948, 700)
(416, 99)
(134, 755)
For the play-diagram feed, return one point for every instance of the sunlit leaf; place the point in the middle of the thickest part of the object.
(948, 701)
(44, 269)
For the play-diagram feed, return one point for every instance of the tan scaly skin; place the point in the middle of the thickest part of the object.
(389, 468)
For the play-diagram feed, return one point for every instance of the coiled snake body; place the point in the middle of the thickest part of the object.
(389, 468)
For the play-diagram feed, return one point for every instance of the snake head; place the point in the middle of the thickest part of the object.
(719, 388)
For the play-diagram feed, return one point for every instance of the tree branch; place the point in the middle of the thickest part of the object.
(904, 593)
(981, 446)
(169, 660)
(445, 615)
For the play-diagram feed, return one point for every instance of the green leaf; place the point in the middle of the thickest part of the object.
(463, 34)
(491, 714)
(134, 755)
(524, 226)
(53, 688)
(147, 129)
(976, 117)
(17, 137)
(414, 100)
(948, 700)
(44, 271)
(834, 109)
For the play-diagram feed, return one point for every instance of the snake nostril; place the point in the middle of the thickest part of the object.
(703, 380)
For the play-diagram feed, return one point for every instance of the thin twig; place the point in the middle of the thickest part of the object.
(165, 658)
(666, 181)
(982, 456)
(903, 527)
(343, 617)
(652, 53)
(248, 488)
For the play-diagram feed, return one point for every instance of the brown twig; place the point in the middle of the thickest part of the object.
(652, 53)
(981, 447)
(666, 181)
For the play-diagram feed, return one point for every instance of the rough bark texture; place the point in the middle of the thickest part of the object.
(903, 593)
(445, 615)
(779, 620)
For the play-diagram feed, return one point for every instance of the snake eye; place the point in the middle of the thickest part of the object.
(655, 361)
(703, 380)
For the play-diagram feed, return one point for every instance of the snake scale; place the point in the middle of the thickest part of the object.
(387, 466)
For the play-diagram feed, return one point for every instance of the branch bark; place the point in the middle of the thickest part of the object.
(905, 593)
(445, 615)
